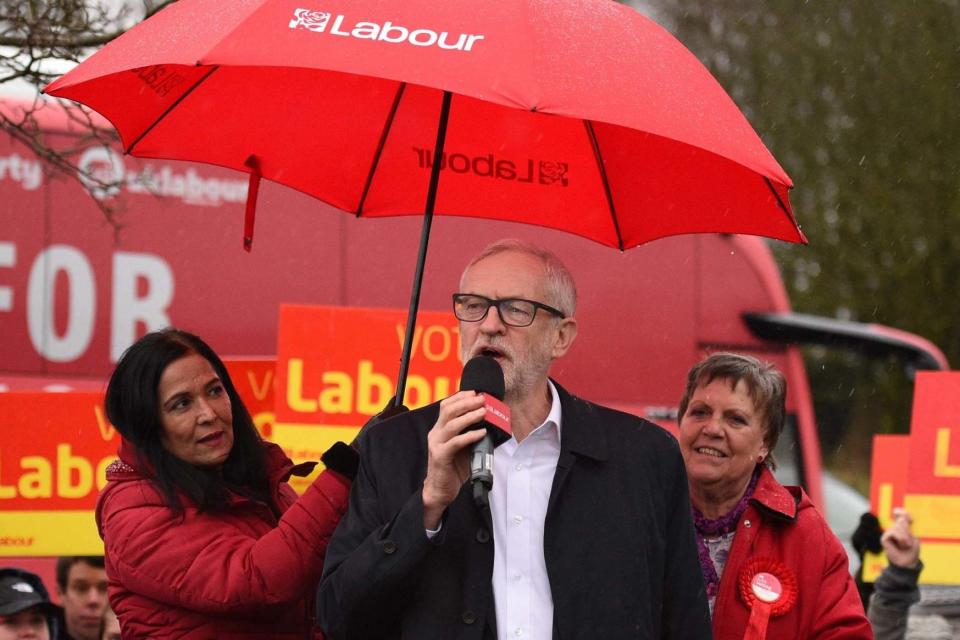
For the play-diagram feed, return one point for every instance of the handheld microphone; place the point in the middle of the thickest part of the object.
(484, 375)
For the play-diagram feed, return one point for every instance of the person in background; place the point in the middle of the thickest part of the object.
(82, 589)
(204, 537)
(866, 539)
(896, 589)
(767, 555)
(591, 534)
(25, 607)
(111, 626)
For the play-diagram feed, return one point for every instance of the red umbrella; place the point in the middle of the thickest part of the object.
(579, 115)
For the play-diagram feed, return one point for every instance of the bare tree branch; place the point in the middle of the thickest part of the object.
(39, 40)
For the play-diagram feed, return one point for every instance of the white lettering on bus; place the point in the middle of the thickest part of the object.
(8, 258)
(40, 303)
(130, 310)
(28, 173)
(141, 295)
(103, 172)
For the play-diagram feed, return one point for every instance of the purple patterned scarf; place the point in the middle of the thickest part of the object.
(719, 527)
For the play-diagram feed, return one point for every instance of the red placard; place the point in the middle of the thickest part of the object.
(338, 366)
(888, 475)
(255, 380)
(54, 454)
(935, 434)
(55, 448)
(921, 472)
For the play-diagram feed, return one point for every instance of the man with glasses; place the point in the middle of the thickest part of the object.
(591, 531)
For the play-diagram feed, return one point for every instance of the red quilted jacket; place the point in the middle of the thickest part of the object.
(241, 573)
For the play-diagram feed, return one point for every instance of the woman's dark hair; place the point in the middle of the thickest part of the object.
(133, 406)
(765, 384)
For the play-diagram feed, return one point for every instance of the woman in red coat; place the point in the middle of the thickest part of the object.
(203, 536)
(770, 563)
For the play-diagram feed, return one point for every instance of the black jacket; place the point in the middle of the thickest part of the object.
(618, 540)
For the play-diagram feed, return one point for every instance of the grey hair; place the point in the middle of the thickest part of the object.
(765, 384)
(561, 289)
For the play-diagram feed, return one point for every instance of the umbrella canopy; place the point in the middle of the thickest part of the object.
(579, 115)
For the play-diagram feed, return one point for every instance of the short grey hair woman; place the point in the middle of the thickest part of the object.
(769, 560)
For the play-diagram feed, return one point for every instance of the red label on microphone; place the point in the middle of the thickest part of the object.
(498, 415)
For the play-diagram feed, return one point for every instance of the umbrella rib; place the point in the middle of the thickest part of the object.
(783, 207)
(170, 108)
(606, 183)
(380, 145)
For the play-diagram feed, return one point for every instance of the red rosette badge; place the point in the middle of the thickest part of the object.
(769, 588)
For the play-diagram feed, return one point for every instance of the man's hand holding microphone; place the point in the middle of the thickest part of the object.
(471, 423)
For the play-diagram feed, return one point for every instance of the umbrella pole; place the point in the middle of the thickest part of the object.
(422, 255)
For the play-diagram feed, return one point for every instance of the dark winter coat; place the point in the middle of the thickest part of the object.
(618, 540)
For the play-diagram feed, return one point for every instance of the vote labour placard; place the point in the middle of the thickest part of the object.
(921, 472)
(55, 449)
(888, 480)
(54, 453)
(255, 380)
(338, 366)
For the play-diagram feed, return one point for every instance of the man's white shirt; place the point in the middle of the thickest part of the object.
(522, 478)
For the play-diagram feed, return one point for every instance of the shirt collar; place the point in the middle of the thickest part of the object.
(555, 416)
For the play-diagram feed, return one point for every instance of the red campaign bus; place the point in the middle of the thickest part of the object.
(76, 290)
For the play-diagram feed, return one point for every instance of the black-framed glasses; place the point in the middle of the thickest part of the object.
(514, 312)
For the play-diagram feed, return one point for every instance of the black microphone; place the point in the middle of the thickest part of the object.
(484, 375)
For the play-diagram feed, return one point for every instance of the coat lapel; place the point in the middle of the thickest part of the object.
(580, 435)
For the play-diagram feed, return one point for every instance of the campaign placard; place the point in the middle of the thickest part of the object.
(56, 448)
(255, 380)
(338, 366)
(55, 451)
(931, 483)
(888, 482)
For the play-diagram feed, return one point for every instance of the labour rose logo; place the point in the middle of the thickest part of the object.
(553, 172)
(310, 20)
(101, 171)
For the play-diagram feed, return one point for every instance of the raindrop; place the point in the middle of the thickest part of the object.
(862, 160)
(722, 61)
